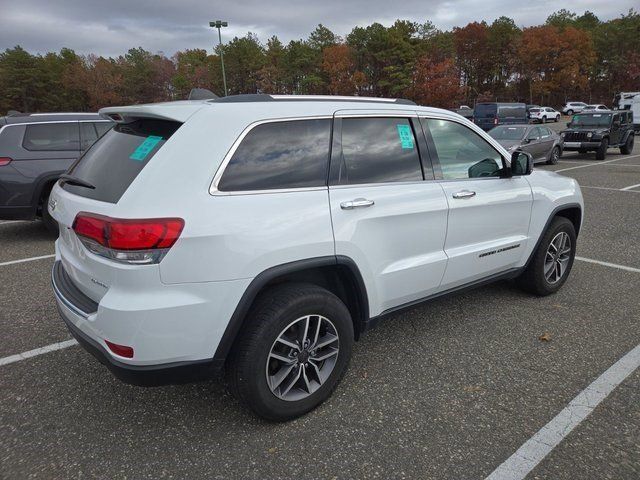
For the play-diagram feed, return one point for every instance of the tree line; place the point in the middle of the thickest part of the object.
(569, 57)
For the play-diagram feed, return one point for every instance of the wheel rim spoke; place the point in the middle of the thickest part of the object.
(329, 354)
(557, 257)
(297, 368)
(279, 377)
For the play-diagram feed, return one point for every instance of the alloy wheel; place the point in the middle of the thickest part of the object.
(557, 258)
(302, 357)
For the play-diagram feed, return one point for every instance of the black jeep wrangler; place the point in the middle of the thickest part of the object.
(599, 130)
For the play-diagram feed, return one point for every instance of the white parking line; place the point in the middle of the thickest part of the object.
(595, 164)
(534, 450)
(607, 264)
(630, 187)
(22, 260)
(38, 351)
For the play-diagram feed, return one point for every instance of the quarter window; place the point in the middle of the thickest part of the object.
(462, 152)
(276, 155)
(52, 137)
(377, 150)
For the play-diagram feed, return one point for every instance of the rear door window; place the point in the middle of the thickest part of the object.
(115, 160)
(102, 127)
(377, 150)
(280, 155)
(63, 136)
(88, 135)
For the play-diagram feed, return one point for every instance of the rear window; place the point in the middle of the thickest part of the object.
(278, 155)
(63, 136)
(116, 159)
(534, 109)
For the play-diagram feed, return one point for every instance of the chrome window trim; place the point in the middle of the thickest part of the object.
(213, 188)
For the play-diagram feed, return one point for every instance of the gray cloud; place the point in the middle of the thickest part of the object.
(111, 27)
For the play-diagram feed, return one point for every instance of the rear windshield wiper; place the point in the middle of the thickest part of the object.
(71, 180)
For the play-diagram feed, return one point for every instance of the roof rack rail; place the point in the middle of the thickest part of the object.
(263, 97)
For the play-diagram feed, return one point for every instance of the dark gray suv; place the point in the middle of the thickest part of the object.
(35, 149)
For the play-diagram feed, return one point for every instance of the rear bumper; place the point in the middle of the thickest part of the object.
(77, 310)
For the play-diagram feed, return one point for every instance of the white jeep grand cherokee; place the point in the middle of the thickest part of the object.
(262, 235)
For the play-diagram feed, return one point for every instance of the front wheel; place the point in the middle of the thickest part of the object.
(557, 118)
(294, 350)
(544, 120)
(601, 153)
(554, 157)
(627, 148)
(569, 112)
(551, 263)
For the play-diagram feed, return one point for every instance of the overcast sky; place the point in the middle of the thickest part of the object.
(111, 27)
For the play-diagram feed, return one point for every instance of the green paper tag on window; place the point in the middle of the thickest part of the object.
(145, 148)
(406, 136)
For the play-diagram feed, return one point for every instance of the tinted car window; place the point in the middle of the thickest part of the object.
(486, 110)
(103, 127)
(376, 150)
(512, 111)
(88, 135)
(116, 159)
(292, 154)
(52, 137)
(507, 133)
(462, 152)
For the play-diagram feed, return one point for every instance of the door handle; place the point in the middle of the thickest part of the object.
(464, 194)
(357, 203)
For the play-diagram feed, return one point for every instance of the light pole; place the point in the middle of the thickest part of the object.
(219, 24)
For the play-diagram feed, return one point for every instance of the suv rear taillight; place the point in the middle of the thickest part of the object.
(126, 240)
(5, 161)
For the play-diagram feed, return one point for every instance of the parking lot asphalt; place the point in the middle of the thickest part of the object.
(450, 389)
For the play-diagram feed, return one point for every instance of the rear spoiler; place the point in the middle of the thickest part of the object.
(178, 111)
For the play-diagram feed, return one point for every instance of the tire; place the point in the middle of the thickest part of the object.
(556, 119)
(280, 313)
(627, 148)
(544, 120)
(533, 279)
(47, 220)
(601, 153)
(554, 156)
(569, 112)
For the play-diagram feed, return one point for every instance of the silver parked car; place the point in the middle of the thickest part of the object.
(541, 142)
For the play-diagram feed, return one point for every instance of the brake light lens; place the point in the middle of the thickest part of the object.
(495, 121)
(136, 241)
(5, 161)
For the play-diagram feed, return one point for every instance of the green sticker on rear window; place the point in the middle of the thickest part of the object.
(406, 136)
(145, 148)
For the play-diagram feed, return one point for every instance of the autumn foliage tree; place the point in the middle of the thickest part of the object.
(570, 57)
(436, 83)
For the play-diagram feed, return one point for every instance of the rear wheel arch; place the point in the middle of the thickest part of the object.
(337, 274)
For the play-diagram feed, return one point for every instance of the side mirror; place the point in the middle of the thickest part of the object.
(521, 163)
(616, 123)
